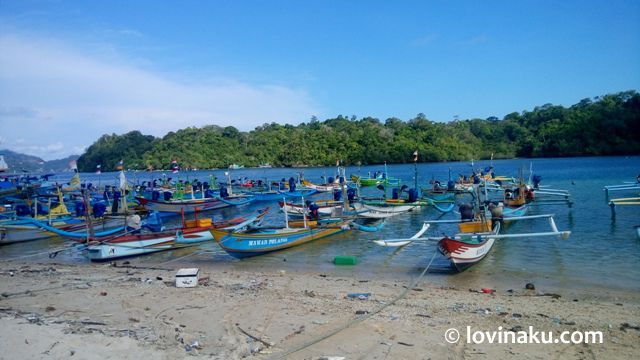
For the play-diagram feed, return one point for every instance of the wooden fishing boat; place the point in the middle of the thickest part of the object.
(29, 229)
(442, 206)
(470, 246)
(192, 233)
(367, 181)
(261, 241)
(323, 187)
(135, 245)
(273, 195)
(324, 208)
(381, 212)
(474, 240)
(176, 207)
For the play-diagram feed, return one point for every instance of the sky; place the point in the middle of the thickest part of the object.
(71, 71)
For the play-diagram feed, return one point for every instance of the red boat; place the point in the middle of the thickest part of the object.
(470, 246)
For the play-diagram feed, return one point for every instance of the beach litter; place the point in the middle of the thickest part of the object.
(359, 296)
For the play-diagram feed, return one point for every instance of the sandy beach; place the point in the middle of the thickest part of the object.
(99, 311)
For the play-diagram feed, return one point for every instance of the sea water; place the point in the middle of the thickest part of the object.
(602, 254)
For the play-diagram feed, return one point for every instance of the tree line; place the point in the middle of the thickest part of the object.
(604, 125)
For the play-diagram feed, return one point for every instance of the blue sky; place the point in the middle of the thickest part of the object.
(71, 71)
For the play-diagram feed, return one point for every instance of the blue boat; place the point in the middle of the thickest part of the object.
(264, 240)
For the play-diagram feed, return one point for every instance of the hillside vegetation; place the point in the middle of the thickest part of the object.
(606, 125)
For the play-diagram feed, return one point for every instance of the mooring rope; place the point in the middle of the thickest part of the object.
(358, 319)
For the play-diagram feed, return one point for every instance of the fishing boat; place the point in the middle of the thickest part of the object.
(443, 206)
(322, 188)
(191, 233)
(235, 167)
(32, 229)
(474, 240)
(368, 181)
(323, 208)
(261, 241)
(175, 207)
(471, 246)
(382, 212)
(273, 195)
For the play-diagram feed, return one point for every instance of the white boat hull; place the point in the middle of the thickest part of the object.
(115, 250)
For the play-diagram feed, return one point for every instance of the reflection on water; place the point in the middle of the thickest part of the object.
(601, 252)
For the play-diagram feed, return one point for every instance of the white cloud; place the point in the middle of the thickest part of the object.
(60, 98)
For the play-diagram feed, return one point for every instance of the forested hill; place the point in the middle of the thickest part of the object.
(606, 125)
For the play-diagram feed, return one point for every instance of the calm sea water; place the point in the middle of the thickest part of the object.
(602, 253)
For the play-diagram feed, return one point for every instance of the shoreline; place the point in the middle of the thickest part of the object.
(98, 311)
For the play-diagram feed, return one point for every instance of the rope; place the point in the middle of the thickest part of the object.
(53, 251)
(358, 319)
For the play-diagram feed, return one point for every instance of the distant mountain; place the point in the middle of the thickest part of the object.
(22, 162)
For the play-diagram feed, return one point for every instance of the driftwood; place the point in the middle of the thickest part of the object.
(267, 344)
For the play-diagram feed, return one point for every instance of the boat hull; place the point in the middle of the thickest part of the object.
(468, 249)
(462, 254)
(136, 245)
(10, 233)
(241, 245)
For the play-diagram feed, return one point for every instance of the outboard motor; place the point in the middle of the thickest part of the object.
(23, 210)
(292, 184)
(395, 193)
(351, 194)
(451, 185)
(154, 222)
(99, 209)
(413, 195)
(224, 192)
(42, 210)
(337, 195)
(476, 180)
(313, 210)
(496, 211)
(155, 195)
(466, 212)
(80, 208)
(205, 185)
(208, 193)
(116, 202)
(536, 181)
(167, 195)
(330, 180)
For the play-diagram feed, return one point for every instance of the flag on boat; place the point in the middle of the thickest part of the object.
(98, 169)
(174, 166)
(415, 155)
(120, 165)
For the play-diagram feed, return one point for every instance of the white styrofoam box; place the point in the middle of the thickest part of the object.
(187, 277)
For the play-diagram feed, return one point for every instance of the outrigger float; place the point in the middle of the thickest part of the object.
(474, 240)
